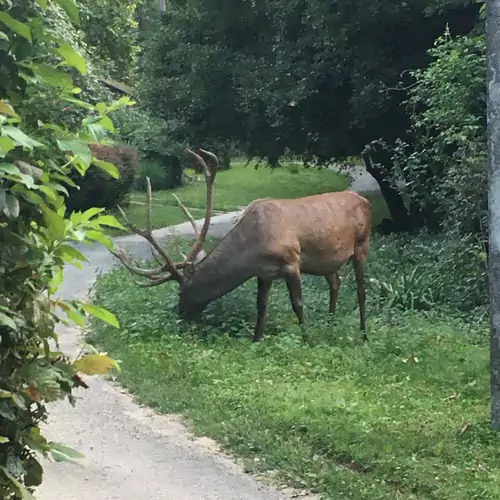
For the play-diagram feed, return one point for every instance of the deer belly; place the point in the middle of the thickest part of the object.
(322, 265)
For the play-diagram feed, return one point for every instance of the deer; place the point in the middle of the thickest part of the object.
(273, 239)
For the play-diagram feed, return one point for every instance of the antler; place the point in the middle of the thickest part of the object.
(209, 179)
(170, 270)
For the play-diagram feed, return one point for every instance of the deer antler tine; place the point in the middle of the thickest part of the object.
(155, 275)
(155, 282)
(209, 178)
(137, 270)
(149, 198)
(181, 253)
(155, 255)
(215, 160)
(201, 161)
(187, 213)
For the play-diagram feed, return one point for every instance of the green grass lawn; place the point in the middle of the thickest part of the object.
(236, 188)
(404, 416)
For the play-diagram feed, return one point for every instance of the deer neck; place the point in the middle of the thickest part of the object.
(225, 268)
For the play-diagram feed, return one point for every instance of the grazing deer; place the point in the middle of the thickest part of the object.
(274, 238)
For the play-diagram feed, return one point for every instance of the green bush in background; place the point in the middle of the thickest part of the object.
(98, 188)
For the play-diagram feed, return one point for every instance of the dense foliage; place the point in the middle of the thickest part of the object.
(110, 30)
(444, 165)
(39, 150)
(312, 78)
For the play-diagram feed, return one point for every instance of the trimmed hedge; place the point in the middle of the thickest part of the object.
(98, 188)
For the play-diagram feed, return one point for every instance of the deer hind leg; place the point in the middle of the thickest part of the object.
(359, 263)
(334, 284)
(263, 289)
(295, 291)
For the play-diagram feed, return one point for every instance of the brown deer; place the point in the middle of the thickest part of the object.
(274, 239)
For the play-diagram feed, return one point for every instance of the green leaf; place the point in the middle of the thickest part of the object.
(55, 224)
(15, 174)
(9, 168)
(4, 439)
(91, 212)
(65, 179)
(101, 313)
(79, 148)
(3, 36)
(70, 254)
(76, 316)
(63, 453)
(77, 102)
(71, 9)
(7, 321)
(7, 109)
(16, 26)
(108, 167)
(52, 76)
(72, 58)
(5, 394)
(25, 494)
(97, 132)
(56, 280)
(110, 221)
(12, 207)
(100, 237)
(49, 192)
(6, 145)
(106, 123)
(42, 3)
(96, 364)
(20, 138)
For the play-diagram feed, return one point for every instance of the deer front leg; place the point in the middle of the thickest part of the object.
(334, 284)
(263, 289)
(295, 290)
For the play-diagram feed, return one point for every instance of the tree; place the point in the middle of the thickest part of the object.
(493, 52)
(38, 151)
(316, 79)
(110, 29)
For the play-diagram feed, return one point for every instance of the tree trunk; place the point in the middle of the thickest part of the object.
(226, 159)
(176, 170)
(493, 133)
(376, 165)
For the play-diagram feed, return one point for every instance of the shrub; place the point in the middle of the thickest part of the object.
(36, 238)
(445, 165)
(98, 188)
(426, 272)
(164, 173)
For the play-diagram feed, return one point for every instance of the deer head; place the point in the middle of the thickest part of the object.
(168, 269)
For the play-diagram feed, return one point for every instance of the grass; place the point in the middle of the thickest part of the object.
(235, 188)
(404, 416)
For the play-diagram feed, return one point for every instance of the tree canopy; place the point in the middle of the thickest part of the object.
(320, 80)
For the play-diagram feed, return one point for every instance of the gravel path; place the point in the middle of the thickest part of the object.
(130, 452)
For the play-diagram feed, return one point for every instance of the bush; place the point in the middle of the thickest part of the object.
(427, 272)
(38, 238)
(98, 188)
(163, 173)
(444, 167)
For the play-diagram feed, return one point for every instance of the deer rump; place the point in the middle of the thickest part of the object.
(274, 239)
